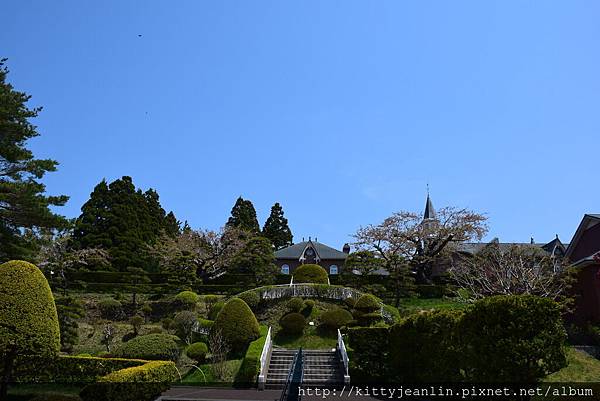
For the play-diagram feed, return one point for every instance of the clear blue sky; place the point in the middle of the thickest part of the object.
(342, 111)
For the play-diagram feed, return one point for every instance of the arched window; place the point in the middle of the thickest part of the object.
(333, 269)
(285, 269)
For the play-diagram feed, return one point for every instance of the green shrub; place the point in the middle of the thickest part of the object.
(513, 339)
(335, 318)
(250, 366)
(369, 361)
(309, 304)
(424, 348)
(205, 324)
(311, 274)
(28, 318)
(55, 397)
(110, 309)
(140, 383)
(367, 303)
(197, 352)
(161, 347)
(393, 312)
(350, 302)
(186, 299)
(237, 325)
(295, 304)
(183, 325)
(251, 298)
(167, 323)
(215, 309)
(136, 323)
(293, 323)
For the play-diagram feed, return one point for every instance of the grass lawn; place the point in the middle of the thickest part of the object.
(582, 368)
(206, 377)
(311, 339)
(412, 305)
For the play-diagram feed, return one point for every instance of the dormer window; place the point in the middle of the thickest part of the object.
(285, 269)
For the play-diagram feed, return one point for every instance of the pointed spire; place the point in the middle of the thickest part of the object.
(429, 210)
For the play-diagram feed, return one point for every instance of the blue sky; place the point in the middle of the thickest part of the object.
(342, 111)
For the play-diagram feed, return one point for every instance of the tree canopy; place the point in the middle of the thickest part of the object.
(243, 216)
(24, 207)
(122, 220)
(276, 228)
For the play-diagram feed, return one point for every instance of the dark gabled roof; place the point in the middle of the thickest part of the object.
(429, 210)
(583, 225)
(323, 251)
(474, 247)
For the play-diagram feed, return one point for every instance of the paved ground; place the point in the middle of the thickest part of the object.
(183, 393)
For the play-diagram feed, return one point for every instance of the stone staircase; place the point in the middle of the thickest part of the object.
(322, 368)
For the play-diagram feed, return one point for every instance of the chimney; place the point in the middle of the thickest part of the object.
(532, 241)
(346, 248)
(316, 240)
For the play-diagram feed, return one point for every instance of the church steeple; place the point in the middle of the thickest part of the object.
(429, 210)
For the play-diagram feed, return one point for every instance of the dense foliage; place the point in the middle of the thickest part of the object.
(139, 383)
(110, 308)
(295, 304)
(197, 352)
(310, 274)
(123, 220)
(293, 323)
(256, 258)
(69, 310)
(162, 347)
(243, 216)
(276, 228)
(186, 299)
(250, 367)
(28, 319)
(25, 208)
(335, 318)
(252, 299)
(237, 324)
(370, 354)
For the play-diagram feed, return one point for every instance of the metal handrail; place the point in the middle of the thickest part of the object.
(285, 393)
(264, 358)
(342, 349)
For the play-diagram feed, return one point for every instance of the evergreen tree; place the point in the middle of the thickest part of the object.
(24, 208)
(276, 228)
(123, 220)
(257, 258)
(243, 216)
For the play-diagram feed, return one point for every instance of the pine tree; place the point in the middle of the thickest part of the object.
(24, 209)
(243, 216)
(123, 220)
(276, 228)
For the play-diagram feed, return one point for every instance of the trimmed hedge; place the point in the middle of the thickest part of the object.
(509, 339)
(237, 325)
(186, 299)
(367, 303)
(311, 274)
(161, 347)
(425, 348)
(215, 309)
(110, 308)
(335, 318)
(369, 359)
(197, 352)
(251, 298)
(513, 339)
(293, 323)
(29, 322)
(250, 367)
(295, 304)
(140, 383)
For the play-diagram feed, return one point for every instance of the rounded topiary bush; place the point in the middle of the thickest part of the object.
(335, 318)
(367, 303)
(350, 302)
(186, 299)
(251, 298)
(293, 323)
(295, 304)
(110, 308)
(311, 274)
(310, 304)
(28, 318)
(197, 352)
(237, 324)
(161, 347)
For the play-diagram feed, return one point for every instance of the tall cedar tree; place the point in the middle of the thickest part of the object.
(24, 209)
(243, 216)
(276, 228)
(123, 220)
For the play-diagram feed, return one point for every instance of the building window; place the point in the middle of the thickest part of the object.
(285, 269)
(333, 269)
